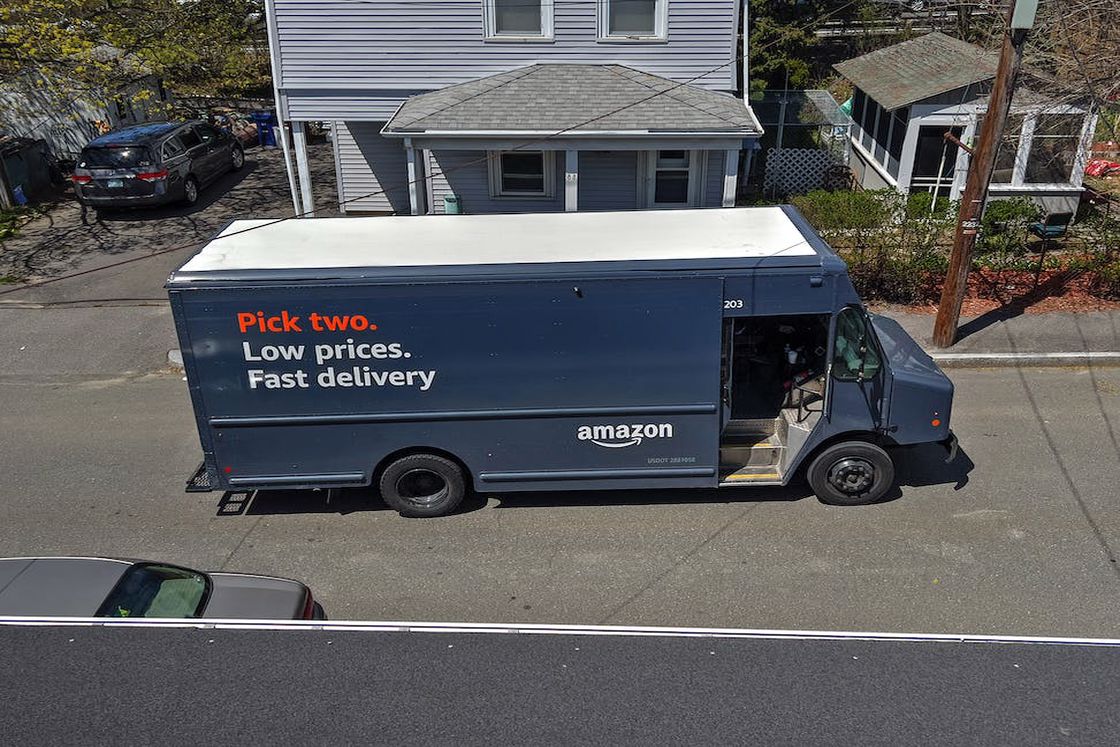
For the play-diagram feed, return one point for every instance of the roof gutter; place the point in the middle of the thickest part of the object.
(744, 132)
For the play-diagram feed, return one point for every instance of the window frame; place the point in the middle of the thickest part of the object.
(490, 31)
(660, 25)
(494, 165)
(1037, 134)
(695, 170)
(871, 343)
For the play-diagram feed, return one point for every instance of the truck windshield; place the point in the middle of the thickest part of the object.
(123, 157)
(148, 590)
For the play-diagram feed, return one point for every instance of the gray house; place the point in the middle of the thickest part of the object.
(492, 106)
(907, 96)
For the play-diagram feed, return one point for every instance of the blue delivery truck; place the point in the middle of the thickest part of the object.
(579, 351)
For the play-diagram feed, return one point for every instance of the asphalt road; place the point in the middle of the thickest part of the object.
(94, 686)
(1019, 537)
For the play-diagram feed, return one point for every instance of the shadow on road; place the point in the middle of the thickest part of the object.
(916, 466)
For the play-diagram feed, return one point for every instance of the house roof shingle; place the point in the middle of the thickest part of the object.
(917, 69)
(551, 98)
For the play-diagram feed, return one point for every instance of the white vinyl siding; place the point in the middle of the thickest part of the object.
(608, 180)
(344, 60)
(369, 163)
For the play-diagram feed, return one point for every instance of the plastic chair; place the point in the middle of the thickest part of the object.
(1053, 226)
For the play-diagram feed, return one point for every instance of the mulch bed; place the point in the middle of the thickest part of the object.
(1056, 290)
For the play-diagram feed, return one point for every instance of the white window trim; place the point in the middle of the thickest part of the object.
(494, 163)
(697, 162)
(660, 25)
(490, 31)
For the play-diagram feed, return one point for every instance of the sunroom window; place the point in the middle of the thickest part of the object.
(1054, 148)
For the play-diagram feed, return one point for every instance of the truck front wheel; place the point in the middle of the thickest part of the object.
(852, 473)
(422, 485)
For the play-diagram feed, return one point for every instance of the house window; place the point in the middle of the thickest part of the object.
(674, 178)
(1054, 149)
(900, 119)
(1004, 171)
(522, 173)
(859, 105)
(633, 19)
(517, 19)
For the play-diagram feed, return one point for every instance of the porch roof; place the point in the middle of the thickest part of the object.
(918, 69)
(573, 100)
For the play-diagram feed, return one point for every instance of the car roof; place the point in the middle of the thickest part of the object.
(135, 134)
(64, 587)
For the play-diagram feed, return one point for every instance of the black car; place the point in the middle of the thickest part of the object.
(154, 164)
(114, 587)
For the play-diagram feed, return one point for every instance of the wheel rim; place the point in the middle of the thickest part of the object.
(238, 158)
(421, 487)
(851, 475)
(191, 191)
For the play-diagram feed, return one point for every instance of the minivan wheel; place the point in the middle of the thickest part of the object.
(237, 159)
(422, 485)
(190, 190)
(852, 473)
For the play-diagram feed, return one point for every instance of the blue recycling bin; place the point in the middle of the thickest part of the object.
(266, 128)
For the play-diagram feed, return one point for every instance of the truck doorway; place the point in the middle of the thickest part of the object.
(773, 371)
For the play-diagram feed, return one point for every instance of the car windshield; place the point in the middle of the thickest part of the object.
(123, 157)
(148, 590)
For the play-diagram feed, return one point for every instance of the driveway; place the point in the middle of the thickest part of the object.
(103, 311)
(62, 242)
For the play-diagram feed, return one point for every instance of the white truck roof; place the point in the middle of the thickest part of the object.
(413, 241)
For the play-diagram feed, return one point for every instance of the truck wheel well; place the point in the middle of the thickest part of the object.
(390, 458)
(867, 436)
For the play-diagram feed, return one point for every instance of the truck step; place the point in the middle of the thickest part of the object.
(199, 482)
(751, 476)
(761, 454)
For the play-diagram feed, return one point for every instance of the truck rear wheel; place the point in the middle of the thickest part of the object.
(852, 473)
(422, 485)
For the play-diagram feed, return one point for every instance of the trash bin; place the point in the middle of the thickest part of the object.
(451, 205)
(266, 128)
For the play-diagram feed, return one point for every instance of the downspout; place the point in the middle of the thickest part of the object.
(274, 61)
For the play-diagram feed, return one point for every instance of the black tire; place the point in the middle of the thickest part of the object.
(190, 191)
(422, 485)
(236, 158)
(852, 473)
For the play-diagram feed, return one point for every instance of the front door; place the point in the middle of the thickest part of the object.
(860, 379)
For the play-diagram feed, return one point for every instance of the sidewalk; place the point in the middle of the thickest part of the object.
(1004, 337)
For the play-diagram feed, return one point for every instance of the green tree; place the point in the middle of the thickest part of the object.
(212, 47)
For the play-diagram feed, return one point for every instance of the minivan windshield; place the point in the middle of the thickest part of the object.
(148, 590)
(122, 157)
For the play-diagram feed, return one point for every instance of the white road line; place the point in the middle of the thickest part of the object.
(545, 629)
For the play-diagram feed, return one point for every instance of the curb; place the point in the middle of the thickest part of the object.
(1012, 360)
(175, 360)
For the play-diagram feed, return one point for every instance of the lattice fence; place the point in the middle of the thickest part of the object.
(792, 171)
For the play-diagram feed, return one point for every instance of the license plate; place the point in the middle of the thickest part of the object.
(115, 183)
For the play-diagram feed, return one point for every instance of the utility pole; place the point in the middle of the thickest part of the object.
(1021, 18)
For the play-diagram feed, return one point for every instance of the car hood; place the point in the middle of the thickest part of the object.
(244, 596)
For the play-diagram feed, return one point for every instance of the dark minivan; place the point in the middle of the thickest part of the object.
(154, 164)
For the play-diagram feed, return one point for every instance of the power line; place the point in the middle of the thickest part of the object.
(465, 164)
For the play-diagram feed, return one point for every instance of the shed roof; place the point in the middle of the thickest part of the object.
(917, 69)
(547, 98)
